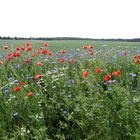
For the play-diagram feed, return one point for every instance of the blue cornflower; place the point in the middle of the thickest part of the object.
(17, 66)
(133, 74)
(29, 77)
(15, 114)
(15, 81)
(65, 111)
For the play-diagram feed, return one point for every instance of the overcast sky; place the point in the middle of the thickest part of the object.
(70, 18)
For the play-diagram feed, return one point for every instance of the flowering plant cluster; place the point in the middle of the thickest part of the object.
(89, 92)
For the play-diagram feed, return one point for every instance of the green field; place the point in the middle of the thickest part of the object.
(73, 44)
(69, 90)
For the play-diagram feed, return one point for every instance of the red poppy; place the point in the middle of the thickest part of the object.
(38, 51)
(138, 56)
(84, 47)
(17, 54)
(33, 55)
(63, 51)
(27, 44)
(98, 70)
(137, 61)
(16, 89)
(39, 63)
(91, 52)
(21, 47)
(85, 73)
(6, 47)
(107, 77)
(30, 94)
(9, 58)
(44, 51)
(41, 48)
(28, 49)
(10, 54)
(62, 60)
(21, 83)
(27, 60)
(17, 48)
(91, 47)
(50, 53)
(135, 56)
(116, 73)
(37, 76)
(45, 44)
(1, 62)
(72, 60)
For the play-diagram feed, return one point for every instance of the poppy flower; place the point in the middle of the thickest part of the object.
(39, 63)
(17, 54)
(6, 47)
(38, 51)
(50, 53)
(45, 44)
(41, 48)
(98, 70)
(44, 51)
(37, 76)
(17, 48)
(72, 60)
(85, 73)
(62, 60)
(9, 58)
(21, 83)
(27, 44)
(27, 60)
(30, 94)
(10, 54)
(21, 47)
(33, 55)
(91, 52)
(107, 78)
(1, 62)
(91, 47)
(135, 56)
(28, 49)
(116, 73)
(16, 89)
(63, 51)
(138, 56)
(84, 47)
(137, 61)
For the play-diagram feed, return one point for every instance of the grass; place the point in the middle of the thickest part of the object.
(73, 44)
(94, 97)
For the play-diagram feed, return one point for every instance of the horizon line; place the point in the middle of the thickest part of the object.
(1, 37)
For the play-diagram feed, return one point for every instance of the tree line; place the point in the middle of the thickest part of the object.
(66, 38)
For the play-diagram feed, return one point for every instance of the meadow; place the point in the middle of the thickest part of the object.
(69, 90)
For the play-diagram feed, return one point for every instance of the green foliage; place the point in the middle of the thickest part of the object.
(66, 105)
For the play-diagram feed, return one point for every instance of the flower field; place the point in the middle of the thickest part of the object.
(73, 90)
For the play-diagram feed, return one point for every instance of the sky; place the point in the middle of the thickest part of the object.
(70, 18)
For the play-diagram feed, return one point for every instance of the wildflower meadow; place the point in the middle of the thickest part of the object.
(69, 90)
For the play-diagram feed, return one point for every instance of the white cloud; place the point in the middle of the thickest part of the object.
(75, 18)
